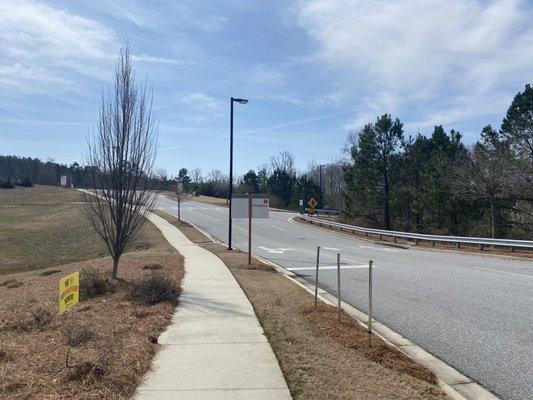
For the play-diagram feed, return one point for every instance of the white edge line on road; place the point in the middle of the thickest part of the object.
(277, 227)
(332, 267)
(504, 272)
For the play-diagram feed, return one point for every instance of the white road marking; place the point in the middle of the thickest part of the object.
(504, 272)
(274, 251)
(331, 248)
(377, 248)
(328, 267)
(277, 227)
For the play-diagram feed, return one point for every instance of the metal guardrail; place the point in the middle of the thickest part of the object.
(417, 237)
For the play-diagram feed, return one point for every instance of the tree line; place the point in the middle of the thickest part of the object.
(437, 184)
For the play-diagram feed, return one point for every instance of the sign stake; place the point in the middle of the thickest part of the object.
(370, 262)
(250, 228)
(339, 286)
(316, 275)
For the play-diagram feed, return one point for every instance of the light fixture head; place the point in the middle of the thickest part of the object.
(241, 101)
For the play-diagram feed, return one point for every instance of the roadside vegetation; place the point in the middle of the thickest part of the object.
(321, 359)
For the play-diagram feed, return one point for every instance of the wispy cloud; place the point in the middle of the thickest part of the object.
(201, 101)
(437, 52)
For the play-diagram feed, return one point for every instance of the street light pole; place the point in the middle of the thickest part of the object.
(230, 192)
(320, 185)
(230, 195)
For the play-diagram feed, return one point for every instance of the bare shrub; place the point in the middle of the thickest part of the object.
(49, 272)
(97, 368)
(156, 288)
(152, 266)
(94, 283)
(26, 321)
(11, 283)
(140, 313)
(76, 334)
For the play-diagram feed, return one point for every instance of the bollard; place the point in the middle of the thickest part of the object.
(316, 275)
(339, 286)
(370, 262)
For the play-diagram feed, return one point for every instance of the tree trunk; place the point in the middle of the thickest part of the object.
(492, 219)
(115, 267)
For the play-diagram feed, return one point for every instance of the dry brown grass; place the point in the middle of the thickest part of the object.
(427, 245)
(320, 359)
(45, 226)
(109, 339)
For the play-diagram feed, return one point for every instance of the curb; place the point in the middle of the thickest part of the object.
(454, 383)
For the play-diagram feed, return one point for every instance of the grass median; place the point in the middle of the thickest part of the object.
(320, 358)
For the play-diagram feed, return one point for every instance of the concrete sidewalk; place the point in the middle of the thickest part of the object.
(214, 347)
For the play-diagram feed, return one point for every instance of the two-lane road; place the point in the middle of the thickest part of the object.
(473, 311)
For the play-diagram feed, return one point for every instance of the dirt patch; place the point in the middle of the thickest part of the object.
(425, 245)
(99, 349)
(320, 358)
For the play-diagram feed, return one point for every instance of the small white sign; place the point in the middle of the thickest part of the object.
(239, 207)
(63, 180)
(301, 202)
(179, 188)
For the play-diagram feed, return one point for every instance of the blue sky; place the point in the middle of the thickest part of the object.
(312, 70)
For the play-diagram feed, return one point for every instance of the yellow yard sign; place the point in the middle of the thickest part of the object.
(69, 291)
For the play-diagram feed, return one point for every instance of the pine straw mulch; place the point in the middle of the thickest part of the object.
(113, 338)
(320, 358)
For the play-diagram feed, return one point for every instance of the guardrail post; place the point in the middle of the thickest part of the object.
(370, 262)
(316, 274)
(395, 239)
(339, 286)
(416, 241)
(458, 245)
(433, 243)
(481, 247)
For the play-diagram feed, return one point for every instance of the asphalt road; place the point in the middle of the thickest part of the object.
(473, 311)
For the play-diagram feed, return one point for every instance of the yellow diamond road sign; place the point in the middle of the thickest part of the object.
(69, 291)
(312, 203)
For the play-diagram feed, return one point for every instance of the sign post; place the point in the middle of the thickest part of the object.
(69, 289)
(179, 189)
(250, 206)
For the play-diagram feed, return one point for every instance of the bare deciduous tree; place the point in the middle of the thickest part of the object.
(196, 175)
(122, 152)
(283, 162)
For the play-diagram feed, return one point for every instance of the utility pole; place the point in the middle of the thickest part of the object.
(320, 205)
